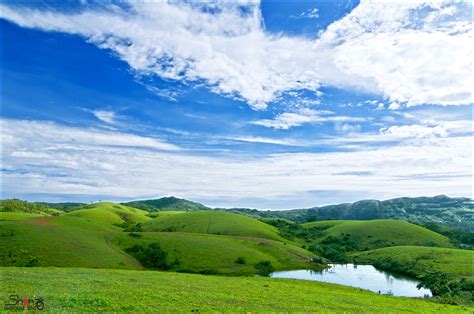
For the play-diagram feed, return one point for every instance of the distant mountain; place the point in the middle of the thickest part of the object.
(454, 212)
(444, 210)
(166, 203)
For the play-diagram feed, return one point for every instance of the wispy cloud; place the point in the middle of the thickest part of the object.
(287, 120)
(410, 53)
(308, 14)
(105, 116)
(93, 163)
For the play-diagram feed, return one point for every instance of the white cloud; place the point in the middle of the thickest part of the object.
(51, 135)
(347, 128)
(54, 159)
(287, 120)
(267, 140)
(308, 14)
(410, 52)
(105, 116)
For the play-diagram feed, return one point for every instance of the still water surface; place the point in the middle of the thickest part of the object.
(360, 276)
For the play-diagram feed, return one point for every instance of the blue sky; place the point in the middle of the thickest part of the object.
(268, 105)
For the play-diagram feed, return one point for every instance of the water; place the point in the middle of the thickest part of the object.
(360, 276)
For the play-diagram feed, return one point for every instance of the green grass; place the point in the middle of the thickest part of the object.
(18, 216)
(59, 241)
(217, 254)
(373, 234)
(92, 241)
(213, 222)
(456, 262)
(87, 290)
(110, 213)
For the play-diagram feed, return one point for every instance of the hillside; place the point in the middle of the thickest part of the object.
(454, 212)
(66, 206)
(373, 234)
(61, 242)
(97, 237)
(212, 222)
(417, 259)
(20, 206)
(110, 213)
(166, 203)
(92, 290)
(217, 254)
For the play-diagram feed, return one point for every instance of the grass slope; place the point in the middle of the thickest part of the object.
(203, 253)
(89, 238)
(87, 290)
(213, 222)
(110, 213)
(19, 216)
(380, 233)
(456, 262)
(60, 241)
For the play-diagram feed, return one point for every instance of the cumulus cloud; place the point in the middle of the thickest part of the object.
(411, 53)
(60, 160)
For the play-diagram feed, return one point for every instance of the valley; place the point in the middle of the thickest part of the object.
(125, 242)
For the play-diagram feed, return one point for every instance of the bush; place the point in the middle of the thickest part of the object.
(240, 260)
(264, 268)
(151, 256)
(135, 235)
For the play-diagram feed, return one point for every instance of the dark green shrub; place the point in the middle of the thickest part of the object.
(240, 260)
(135, 235)
(264, 268)
(151, 256)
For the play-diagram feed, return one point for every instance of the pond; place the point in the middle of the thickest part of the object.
(360, 276)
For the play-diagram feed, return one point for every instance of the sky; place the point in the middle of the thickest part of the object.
(269, 105)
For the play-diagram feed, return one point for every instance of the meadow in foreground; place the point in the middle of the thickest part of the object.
(89, 290)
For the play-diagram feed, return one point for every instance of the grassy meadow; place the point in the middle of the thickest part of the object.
(87, 290)
(88, 260)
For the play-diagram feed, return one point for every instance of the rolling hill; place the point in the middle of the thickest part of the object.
(110, 213)
(166, 203)
(95, 237)
(213, 222)
(373, 234)
(418, 260)
(454, 212)
(218, 254)
(62, 242)
(20, 206)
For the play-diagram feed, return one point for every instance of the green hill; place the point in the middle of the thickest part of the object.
(446, 272)
(60, 241)
(217, 254)
(94, 237)
(110, 213)
(166, 203)
(373, 234)
(20, 206)
(92, 291)
(213, 222)
(417, 259)
(454, 212)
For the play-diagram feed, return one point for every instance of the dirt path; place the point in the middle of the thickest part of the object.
(128, 257)
(42, 221)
